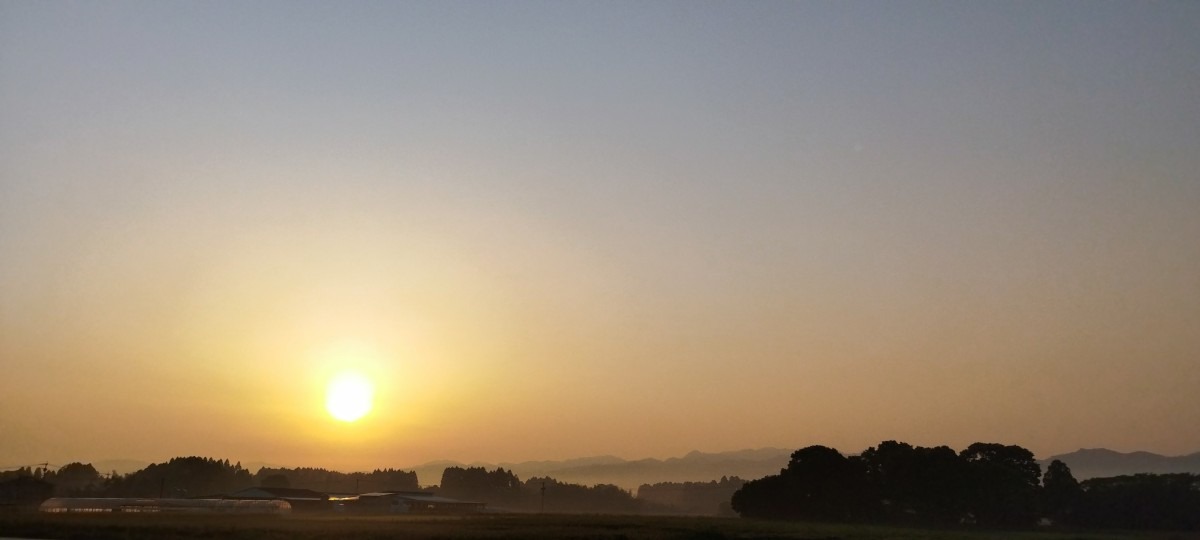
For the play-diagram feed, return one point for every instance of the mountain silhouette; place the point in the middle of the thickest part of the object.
(1102, 462)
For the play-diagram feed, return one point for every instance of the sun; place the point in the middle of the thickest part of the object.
(348, 396)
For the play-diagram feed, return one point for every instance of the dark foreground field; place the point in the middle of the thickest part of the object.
(133, 527)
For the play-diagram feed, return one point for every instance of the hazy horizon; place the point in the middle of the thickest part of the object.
(550, 230)
(252, 465)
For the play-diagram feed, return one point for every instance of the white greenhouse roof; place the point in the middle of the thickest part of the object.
(228, 506)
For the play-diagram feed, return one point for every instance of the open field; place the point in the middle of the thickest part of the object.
(163, 527)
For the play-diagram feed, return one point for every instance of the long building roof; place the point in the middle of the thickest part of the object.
(417, 496)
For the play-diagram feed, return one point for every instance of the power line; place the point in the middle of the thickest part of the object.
(43, 465)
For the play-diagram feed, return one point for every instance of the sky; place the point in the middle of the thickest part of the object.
(547, 230)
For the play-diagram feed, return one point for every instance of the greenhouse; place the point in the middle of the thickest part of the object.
(182, 506)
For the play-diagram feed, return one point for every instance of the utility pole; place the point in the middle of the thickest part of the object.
(543, 509)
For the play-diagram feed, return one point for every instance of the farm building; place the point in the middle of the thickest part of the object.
(410, 502)
(301, 500)
(72, 505)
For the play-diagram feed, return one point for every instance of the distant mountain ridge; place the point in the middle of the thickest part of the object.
(1101, 462)
(629, 474)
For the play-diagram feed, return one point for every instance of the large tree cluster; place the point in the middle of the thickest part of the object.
(987, 484)
(325, 480)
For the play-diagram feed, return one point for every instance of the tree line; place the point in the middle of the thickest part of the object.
(987, 485)
(327, 481)
(502, 489)
(695, 498)
(200, 476)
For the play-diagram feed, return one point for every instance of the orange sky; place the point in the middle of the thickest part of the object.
(557, 230)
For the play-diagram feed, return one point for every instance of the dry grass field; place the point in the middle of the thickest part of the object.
(178, 527)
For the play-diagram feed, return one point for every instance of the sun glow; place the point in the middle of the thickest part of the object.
(348, 396)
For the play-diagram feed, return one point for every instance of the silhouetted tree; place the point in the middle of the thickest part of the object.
(1005, 481)
(1061, 493)
(498, 487)
(917, 484)
(75, 479)
(993, 485)
(1141, 501)
(818, 483)
(765, 498)
(709, 498)
(181, 477)
(20, 472)
(327, 481)
(275, 481)
(26, 490)
(577, 499)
